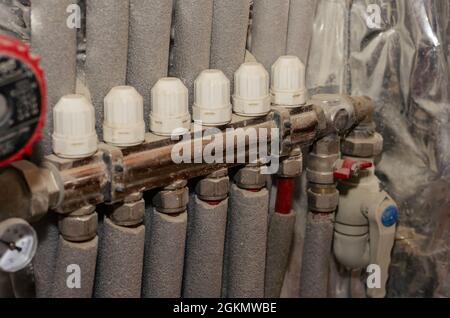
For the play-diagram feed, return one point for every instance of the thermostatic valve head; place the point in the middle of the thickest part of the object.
(288, 82)
(124, 117)
(74, 134)
(251, 90)
(22, 100)
(170, 108)
(212, 106)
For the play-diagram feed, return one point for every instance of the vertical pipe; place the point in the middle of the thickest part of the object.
(106, 50)
(74, 256)
(164, 254)
(119, 264)
(56, 44)
(246, 243)
(6, 290)
(279, 238)
(269, 30)
(316, 255)
(205, 248)
(192, 42)
(44, 260)
(229, 35)
(301, 19)
(149, 42)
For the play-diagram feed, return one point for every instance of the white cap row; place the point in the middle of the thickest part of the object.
(74, 133)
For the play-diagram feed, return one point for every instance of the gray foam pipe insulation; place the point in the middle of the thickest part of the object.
(204, 249)
(316, 256)
(229, 35)
(107, 23)
(119, 263)
(192, 37)
(279, 239)
(74, 259)
(269, 30)
(149, 42)
(246, 238)
(300, 27)
(165, 240)
(56, 44)
(44, 260)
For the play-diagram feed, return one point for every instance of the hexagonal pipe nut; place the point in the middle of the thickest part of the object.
(291, 167)
(171, 201)
(363, 147)
(211, 189)
(128, 214)
(323, 202)
(250, 178)
(78, 228)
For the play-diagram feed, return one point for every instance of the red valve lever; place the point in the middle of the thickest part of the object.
(348, 165)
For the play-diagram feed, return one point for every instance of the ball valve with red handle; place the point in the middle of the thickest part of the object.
(22, 100)
(365, 224)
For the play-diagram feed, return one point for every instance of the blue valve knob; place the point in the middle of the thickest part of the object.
(389, 216)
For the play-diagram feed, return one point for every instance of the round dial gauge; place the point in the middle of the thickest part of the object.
(18, 243)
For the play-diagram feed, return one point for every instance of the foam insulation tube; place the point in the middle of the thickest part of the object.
(192, 37)
(281, 230)
(164, 254)
(44, 260)
(56, 44)
(269, 30)
(229, 35)
(300, 27)
(119, 264)
(316, 255)
(246, 243)
(107, 23)
(204, 249)
(75, 269)
(149, 42)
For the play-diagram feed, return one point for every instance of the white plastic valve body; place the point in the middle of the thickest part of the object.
(365, 227)
(288, 87)
(170, 108)
(251, 90)
(124, 124)
(212, 106)
(74, 134)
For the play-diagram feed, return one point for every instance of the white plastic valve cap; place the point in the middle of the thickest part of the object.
(288, 82)
(124, 123)
(251, 90)
(170, 108)
(212, 106)
(74, 134)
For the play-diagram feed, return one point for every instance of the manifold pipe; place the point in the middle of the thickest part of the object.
(192, 40)
(322, 203)
(206, 237)
(149, 42)
(112, 174)
(107, 24)
(121, 250)
(269, 30)
(76, 255)
(229, 35)
(300, 28)
(56, 44)
(246, 237)
(166, 223)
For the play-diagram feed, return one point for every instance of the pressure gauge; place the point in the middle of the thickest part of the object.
(22, 100)
(18, 243)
